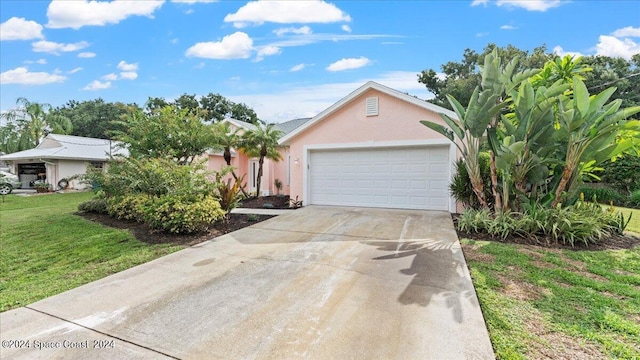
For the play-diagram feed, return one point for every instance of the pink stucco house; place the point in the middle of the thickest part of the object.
(368, 149)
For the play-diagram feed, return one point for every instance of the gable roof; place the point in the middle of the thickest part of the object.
(240, 124)
(355, 94)
(68, 147)
(288, 126)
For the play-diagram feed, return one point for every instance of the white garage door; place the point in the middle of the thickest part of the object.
(405, 178)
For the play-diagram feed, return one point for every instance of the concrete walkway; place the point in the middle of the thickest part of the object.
(316, 283)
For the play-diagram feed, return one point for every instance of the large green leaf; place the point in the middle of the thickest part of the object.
(453, 125)
(440, 129)
(580, 96)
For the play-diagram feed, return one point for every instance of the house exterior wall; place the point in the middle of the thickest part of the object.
(397, 121)
(65, 169)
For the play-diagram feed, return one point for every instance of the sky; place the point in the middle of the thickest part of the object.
(284, 59)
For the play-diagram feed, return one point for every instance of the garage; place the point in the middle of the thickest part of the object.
(389, 177)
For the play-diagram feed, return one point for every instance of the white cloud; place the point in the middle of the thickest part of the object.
(20, 29)
(508, 27)
(530, 5)
(482, 34)
(174, 41)
(346, 28)
(348, 64)
(558, 50)
(86, 55)
(56, 48)
(479, 2)
(39, 61)
(200, 65)
(297, 67)
(122, 65)
(97, 85)
(235, 46)
(267, 51)
(304, 30)
(110, 77)
(22, 76)
(74, 70)
(614, 47)
(78, 13)
(628, 31)
(301, 40)
(286, 12)
(129, 75)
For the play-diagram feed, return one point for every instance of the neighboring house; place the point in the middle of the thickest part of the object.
(368, 149)
(60, 157)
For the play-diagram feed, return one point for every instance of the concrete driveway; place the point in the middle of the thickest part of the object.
(316, 283)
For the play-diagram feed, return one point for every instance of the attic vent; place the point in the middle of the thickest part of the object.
(372, 106)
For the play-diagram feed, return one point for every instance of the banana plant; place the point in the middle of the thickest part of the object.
(587, 130)
(526, 135)
(467, 130)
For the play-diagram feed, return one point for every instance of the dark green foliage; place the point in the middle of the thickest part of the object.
(461, 188)
(177, 215)
(603, 195)
(94, 118)
(634, 199)
(96, 206)
(623, 174)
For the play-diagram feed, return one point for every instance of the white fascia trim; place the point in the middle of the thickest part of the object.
(306, 150)
(369, 85)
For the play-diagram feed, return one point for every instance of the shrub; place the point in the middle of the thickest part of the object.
(97, 206)
(634, 200)
(582, 222)
(178, 215)
(228, 195)
(129, 207)
(460, 185)
(622, 174)
(603, 195)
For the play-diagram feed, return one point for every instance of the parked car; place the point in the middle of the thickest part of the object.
(8, 182)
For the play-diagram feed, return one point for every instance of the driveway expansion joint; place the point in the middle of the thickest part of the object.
(102, 333)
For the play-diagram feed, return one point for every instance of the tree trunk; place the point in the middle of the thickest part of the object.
(566, 174)
(478, 189)
(497, 202)
(259, 177)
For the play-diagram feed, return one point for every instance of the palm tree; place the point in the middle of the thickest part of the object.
(262, 143)
(31, 122)
(230, 139)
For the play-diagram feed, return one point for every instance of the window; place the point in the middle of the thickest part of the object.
(372, 106)
(96, 164)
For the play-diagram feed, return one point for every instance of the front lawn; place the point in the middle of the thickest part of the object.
(543, 303)
(46, 249)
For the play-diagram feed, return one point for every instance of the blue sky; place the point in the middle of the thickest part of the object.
(284, 59)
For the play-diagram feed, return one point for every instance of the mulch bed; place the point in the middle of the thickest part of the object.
(148, 235)
(266, 202)
(613, 242)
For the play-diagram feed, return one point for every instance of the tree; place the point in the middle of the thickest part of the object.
(216, 105)
(263, 143)
(230, 139)
(167, 133)
(242, 112)
(93, 118)
(29, 123)
(459, 79)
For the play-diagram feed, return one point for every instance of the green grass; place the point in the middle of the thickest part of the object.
(548, 303)
(45, 249)
(634, 224)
